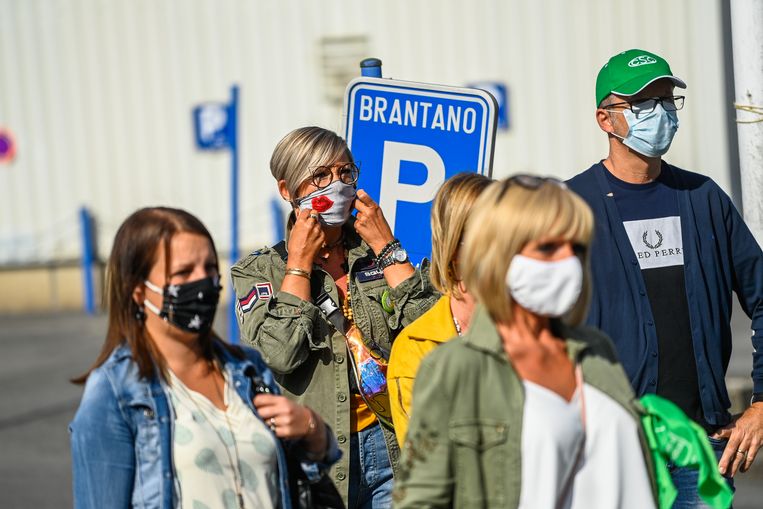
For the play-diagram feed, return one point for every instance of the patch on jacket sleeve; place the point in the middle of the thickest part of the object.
(371, 273)
(259, 292)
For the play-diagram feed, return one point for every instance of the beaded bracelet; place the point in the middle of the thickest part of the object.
(387, 249)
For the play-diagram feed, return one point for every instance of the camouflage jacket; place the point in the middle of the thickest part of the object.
(301, 347)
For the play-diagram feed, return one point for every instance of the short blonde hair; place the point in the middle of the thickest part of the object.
(505, 218)
(450, 210)
(300, 151)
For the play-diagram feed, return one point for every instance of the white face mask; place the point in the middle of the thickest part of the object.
(333, 203)
(545, 288)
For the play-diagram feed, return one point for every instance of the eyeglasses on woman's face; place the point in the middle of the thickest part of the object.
(322, 176)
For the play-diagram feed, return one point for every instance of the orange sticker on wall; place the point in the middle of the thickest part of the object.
(7, 146)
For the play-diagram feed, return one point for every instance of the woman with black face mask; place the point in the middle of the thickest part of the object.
(325, 305)
(171, 415)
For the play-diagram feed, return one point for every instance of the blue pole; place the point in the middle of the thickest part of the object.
(86, 227)
(233, 143)
(371, 67)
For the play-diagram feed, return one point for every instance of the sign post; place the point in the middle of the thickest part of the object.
(408, 138)
(88, 259)
(216, 128)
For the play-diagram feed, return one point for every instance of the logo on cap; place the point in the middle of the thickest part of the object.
(642, 60)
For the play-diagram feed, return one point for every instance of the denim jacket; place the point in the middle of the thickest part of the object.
(121, 435)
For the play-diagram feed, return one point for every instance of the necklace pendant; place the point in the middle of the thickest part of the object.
(458, 326)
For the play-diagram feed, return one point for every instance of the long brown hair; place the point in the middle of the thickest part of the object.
(132, 256)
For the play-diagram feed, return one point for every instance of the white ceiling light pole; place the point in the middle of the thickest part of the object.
(747, 44)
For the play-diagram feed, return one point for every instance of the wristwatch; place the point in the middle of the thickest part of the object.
(398, 255)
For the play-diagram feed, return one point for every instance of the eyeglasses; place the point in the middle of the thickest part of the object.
(644, 106)
(322, 176)
(532, 182)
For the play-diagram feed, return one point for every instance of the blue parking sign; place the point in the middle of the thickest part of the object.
(212, 128)
(501, 93)
(408, 138)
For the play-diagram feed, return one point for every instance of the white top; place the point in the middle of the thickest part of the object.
(610, 473)
(204, 452)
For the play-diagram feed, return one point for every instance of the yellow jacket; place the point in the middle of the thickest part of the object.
(412, 344)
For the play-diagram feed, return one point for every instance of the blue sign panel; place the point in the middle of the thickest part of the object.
(211, 126)
(408, 138)
(498, 90)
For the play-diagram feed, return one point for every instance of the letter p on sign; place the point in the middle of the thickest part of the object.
(211, 126)
(392, 190)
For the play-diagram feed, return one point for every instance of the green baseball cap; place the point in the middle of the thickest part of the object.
(627, 73)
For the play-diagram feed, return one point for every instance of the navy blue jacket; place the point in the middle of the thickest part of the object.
(720, 256)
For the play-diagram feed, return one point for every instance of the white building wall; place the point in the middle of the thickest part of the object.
(99, 94)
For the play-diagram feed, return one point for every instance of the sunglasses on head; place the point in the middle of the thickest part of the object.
(529, 182)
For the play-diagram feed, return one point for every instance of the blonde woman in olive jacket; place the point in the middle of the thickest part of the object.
(528, 409)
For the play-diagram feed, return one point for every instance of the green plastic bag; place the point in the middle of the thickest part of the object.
(672, 436)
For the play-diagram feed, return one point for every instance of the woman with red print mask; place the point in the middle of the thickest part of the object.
(325, 305)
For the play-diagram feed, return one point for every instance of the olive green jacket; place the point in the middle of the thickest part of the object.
(307, 355)
(463, 447)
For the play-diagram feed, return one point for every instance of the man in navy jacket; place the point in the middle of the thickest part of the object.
(668, 251)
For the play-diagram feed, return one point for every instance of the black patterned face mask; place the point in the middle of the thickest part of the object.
(190, 306)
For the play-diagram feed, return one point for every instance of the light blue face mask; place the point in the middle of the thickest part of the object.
(650, 134)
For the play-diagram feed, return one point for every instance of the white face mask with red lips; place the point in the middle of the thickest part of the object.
(333, 203)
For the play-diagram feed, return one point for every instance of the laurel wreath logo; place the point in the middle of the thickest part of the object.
(652, 246)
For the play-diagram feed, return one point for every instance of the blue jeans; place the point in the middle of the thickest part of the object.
(685, 480)
(370, 470)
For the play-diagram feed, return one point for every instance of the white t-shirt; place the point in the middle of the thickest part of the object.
(205, 459)
(609, 474)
